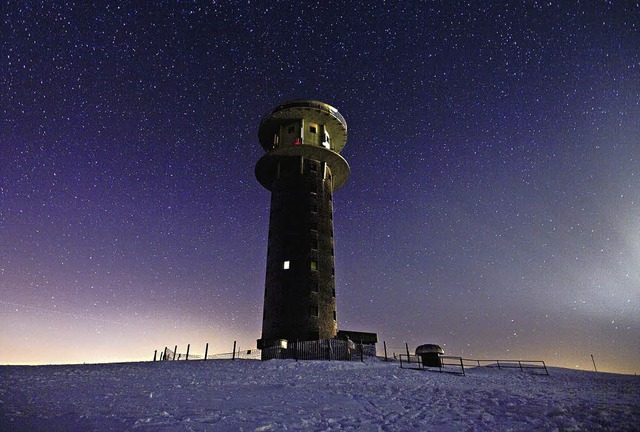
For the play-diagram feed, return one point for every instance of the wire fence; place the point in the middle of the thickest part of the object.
(168, 354)
(328, 349)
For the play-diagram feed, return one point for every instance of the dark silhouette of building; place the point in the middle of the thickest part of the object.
(302, 168)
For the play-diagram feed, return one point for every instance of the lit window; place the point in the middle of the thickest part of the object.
(314, 265)
(312, 129)
(286, 265)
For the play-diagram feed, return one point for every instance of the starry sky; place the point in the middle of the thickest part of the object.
(494, 200)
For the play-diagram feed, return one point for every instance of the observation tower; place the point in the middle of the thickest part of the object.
(302, 168)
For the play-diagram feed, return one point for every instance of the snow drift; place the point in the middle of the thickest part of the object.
(249, 395)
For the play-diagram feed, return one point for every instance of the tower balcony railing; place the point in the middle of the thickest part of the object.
(305, 103)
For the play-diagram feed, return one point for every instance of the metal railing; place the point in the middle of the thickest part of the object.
(326, 349)
(452, 361)
(458, 362)
(511, 364)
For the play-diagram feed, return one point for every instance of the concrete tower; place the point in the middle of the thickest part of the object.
(302, 168)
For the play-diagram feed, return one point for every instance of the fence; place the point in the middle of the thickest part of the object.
(346, 350)
(459, 362)
(512, 364)
(456, 362)
(169, 355)
(328, 349)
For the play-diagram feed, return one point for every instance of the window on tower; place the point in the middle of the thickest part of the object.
(314, 265)
(312, 129)
(286, 265)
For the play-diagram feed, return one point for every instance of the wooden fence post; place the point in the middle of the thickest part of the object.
(408, 356)
(175, 351)
(155, 353)
(361, 351)
(206, 350)
(187, 356)
(385, 350)
(233, 357)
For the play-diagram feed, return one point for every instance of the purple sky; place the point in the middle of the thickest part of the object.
(493, 206)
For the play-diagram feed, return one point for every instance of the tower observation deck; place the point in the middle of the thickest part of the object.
(302, 168)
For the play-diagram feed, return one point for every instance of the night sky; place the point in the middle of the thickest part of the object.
(494, 200)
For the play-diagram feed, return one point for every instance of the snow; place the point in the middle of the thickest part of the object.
(276, 395)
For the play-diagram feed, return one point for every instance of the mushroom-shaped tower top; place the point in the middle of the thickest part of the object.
(326, 126)
(305, 129)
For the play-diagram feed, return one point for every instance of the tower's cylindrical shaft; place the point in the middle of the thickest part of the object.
(299, 301)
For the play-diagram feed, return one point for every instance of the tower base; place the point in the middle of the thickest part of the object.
(273, 343)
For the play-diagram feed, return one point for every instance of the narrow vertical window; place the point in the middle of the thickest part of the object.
(286, 265)
(314, 265)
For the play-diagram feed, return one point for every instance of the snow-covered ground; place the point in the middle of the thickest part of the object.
(247, 395)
